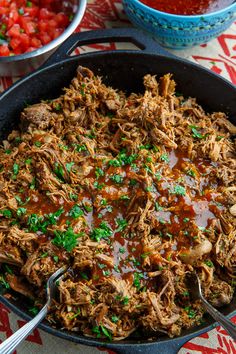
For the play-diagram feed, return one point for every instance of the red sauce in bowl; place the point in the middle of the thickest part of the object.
(188, 7)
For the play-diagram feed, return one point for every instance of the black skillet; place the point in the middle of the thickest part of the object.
(121, 69)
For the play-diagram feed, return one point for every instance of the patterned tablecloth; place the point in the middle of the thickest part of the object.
(219, 55)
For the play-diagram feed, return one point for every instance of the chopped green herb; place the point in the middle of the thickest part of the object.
(3, 282)
(195, 132)
(186, 220)
(34, 310)
(185, 293)
(125, 300)
(38, 143)
(20, 212)
(103, 231)
(21, 11)
(114, 319)
(8, 269)
(66, 239)
(15, 169)
(117, 178)
(7, 151)
(75, 212)
(103, 202)
(28, 161)
(133, 182)
(124, 197)
(191, 173)
(137, 277)
(56, 258)
(58, 107)
(165, 158)
(106, 273)
(7, 213)
(209, 263)
(191, 313)
(58, 170)
(69, 166)
(158, 207)
(84, 275)
(20, 201)
(80, 148)
(116, 268)
(122, 223)
(98, 185)
(122, 250)
(75, 315)
(99, 172)
(28, 4)
(43, 255)
(73, 196)
(179, 190)
(219, 137)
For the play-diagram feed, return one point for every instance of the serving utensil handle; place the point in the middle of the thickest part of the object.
(10, 344)
(131, 35)
(221, 319)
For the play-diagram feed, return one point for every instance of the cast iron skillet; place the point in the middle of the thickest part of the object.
(124, 70)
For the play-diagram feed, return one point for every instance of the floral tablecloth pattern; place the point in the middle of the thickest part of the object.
(219, 55)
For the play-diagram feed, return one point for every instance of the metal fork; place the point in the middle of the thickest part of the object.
(10, 344)
(194, 286)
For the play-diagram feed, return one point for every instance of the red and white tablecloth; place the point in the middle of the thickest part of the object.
(219, 55)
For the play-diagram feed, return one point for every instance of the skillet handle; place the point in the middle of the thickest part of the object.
(132, 35)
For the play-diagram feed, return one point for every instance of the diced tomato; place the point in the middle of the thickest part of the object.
(35, 42)
(14, 31)
(45, 38)
(28, 25)
(44, 14)
(4, 50)
(15, 42)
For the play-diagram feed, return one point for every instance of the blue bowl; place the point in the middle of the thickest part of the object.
(176, 31)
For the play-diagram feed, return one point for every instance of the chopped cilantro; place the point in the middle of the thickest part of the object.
(75, 315)
(122, 223)
(191, 173)
(58, 170)
(165, 158)
(103, 202)
(80, 148)
(7, 151)
(125, 300)
(186, 220)
(98, 186)
(69, 166)
(15, 169)
(133, 182)
(191, 313)
(38, 143)
(209, 263)
(137, 277)
(34, 310)
(56, 258)
(28, 161)
(75, 212)
(158, 207)
(99, 172)
(66, 239)
(117, 178)
(195, 132)
(7, 213)
(179, 190)
(3, 282)
(122, 250)
(103, 231)
(20, 212)
(114, 319)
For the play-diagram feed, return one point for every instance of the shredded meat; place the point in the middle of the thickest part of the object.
(131, 192)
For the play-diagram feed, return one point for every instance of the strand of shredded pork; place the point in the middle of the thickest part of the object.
(131, 193)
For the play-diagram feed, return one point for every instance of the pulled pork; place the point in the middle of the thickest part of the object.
(131, 193)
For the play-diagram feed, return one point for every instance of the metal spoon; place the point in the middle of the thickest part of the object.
(196, 294)
(10, 344)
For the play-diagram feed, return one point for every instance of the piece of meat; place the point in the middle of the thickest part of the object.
(18, 284)
(38, 116)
